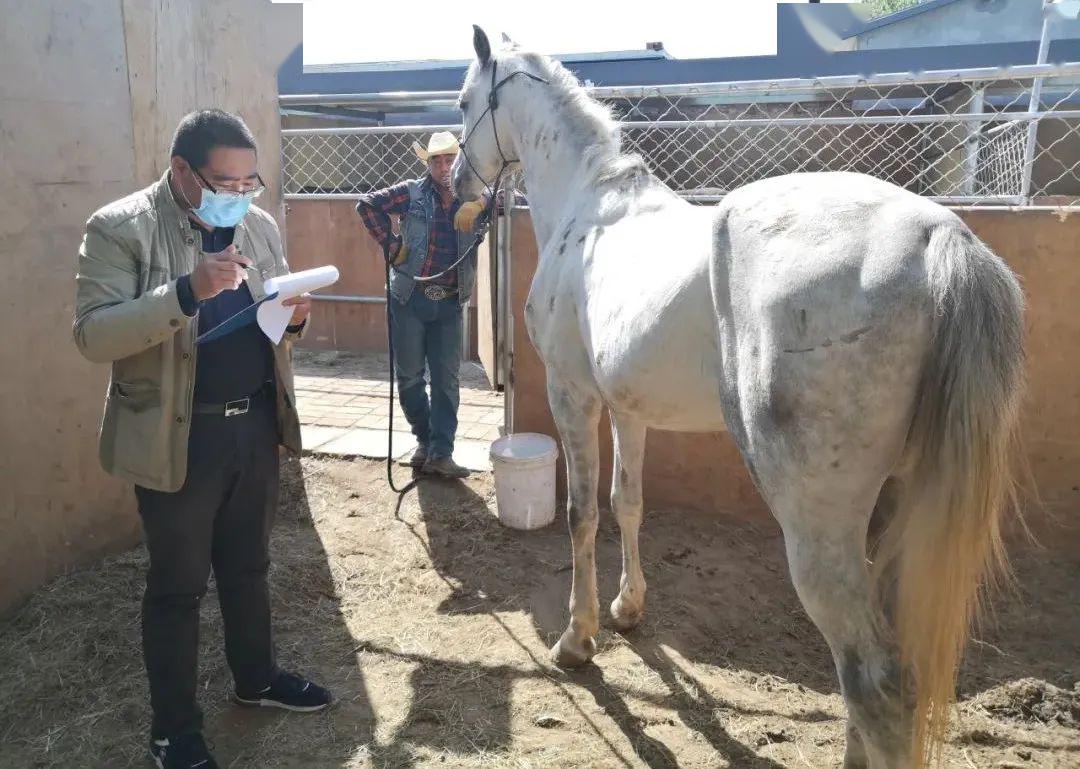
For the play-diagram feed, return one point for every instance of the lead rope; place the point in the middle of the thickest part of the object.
(390, 350)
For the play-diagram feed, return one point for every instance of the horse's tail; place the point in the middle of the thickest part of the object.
(946, 543)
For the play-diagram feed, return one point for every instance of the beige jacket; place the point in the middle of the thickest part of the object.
(127, 313)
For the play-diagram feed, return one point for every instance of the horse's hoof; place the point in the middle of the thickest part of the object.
(570, 653)
(624, 619)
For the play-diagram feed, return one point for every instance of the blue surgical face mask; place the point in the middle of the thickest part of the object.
(223, 208)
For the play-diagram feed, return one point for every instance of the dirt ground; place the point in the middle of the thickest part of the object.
(431, 623)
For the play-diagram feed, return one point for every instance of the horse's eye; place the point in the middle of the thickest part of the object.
(464, 106)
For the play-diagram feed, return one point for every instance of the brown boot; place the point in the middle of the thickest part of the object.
(445, 467)
(419, 458)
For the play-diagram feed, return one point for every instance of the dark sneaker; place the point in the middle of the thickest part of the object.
(187, 751)
(418, 458)
(288, 692)
(445, 467)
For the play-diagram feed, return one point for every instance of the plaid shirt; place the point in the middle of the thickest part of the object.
(377, 207)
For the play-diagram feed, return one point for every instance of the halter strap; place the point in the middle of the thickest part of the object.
(493, 190)
(492, 105)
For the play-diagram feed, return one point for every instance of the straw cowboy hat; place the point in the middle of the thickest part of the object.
(440, 143)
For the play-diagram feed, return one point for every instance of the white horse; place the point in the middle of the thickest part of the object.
(861, 346)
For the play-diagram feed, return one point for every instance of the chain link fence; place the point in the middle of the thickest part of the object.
(973, 137)
(351, 161)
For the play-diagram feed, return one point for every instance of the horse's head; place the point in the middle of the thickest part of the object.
(488, 141)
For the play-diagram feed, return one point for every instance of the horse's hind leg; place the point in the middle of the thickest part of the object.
(577, 415)
(854, 751)
(826, 549)
(629, 434)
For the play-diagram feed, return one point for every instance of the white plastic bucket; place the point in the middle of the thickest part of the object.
(524, 465)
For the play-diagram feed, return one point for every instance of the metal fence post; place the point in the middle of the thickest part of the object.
(506, 271)
(1034, 106)
(973, 142)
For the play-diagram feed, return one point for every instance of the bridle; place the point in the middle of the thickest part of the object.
(492, 105)
(493, 188)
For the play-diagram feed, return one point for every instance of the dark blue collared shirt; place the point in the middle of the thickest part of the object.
(238, 364)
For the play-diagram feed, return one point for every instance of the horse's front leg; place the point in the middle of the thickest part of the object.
(629, 434)
(577, 415)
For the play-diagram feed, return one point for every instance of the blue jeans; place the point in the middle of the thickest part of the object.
(428, 333)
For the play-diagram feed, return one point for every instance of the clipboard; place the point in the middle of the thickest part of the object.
(270, 312)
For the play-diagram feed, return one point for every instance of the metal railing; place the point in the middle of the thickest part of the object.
(987, 137)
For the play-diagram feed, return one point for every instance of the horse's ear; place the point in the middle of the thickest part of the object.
(482, 46)
(508, 42)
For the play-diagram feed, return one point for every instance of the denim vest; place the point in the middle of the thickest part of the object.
(415, 232)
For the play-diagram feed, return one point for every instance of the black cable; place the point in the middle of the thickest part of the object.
(390, 350)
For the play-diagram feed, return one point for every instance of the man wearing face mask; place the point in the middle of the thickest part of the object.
(426, 316)
(196, 428)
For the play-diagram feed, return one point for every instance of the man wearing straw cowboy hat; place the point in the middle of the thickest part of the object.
(426, 316)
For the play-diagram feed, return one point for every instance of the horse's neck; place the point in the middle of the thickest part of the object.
(553, 159)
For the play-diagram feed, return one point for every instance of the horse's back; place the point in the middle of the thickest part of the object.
(811, 225)
(841, 247)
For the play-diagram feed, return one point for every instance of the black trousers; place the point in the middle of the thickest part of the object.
(221, 518)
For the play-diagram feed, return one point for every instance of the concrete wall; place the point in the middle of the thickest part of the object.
(66, 144)
(967, 22)
(706, 472)
(91, 93)
(331, 232)
(183, 55)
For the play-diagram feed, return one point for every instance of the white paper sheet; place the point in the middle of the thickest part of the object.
(273, 316)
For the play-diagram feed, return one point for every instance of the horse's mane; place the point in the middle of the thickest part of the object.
(596, 129)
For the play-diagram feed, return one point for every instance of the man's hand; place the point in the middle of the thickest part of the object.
(466, 216)
(301, 308)
(217, 273)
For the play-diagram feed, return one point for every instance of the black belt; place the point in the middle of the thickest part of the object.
(233, 408)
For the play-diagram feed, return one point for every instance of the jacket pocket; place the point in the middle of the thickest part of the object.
(137, 396)
(135, 441)
(414, 228)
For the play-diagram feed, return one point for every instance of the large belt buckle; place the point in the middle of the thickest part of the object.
(236, 408)
(436, 293)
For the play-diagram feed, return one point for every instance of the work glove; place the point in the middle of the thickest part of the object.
(468, 213)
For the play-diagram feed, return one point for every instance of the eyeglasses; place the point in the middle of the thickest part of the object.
(251, 194)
